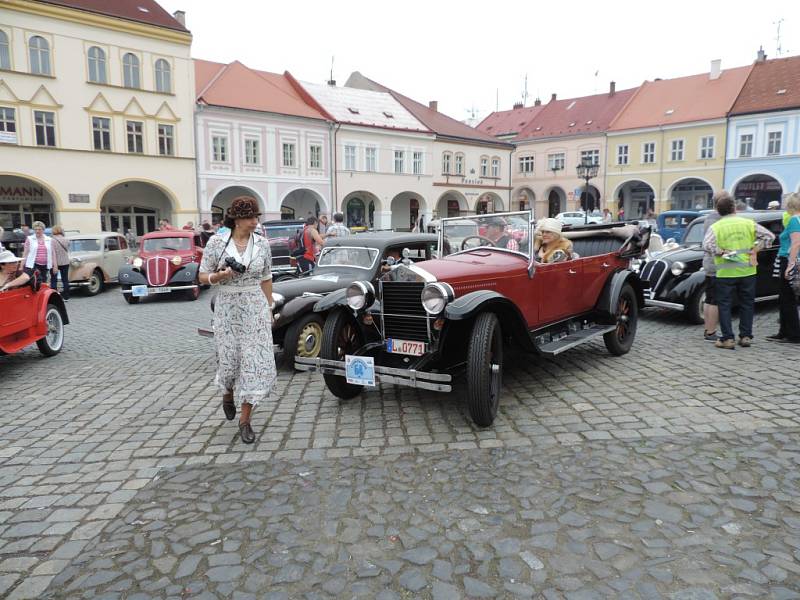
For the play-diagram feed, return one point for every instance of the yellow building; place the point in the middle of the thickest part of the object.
(666, 148)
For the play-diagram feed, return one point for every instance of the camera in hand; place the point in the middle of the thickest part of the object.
(234, 264)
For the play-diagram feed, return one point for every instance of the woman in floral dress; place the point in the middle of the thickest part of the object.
(242, 321)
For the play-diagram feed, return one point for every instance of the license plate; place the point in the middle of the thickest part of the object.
(160, 290)
(138, 291)
(408, 347)
(359, 370)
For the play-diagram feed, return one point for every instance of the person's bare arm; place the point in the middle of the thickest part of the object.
(266, 287)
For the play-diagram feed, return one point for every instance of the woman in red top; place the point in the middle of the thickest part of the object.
(311, 238)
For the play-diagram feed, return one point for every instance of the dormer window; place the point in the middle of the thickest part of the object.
(388, 115)
(353, 111)
(572, 124)
(781, 92)
(539, 128)
(669, 111)
(589, 122)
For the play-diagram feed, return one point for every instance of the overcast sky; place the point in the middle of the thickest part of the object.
(467, 54)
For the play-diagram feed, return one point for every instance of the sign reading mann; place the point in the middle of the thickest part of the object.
(23, 193)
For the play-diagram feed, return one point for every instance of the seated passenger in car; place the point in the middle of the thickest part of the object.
(10, 275)
(549, 245)
(496, 232)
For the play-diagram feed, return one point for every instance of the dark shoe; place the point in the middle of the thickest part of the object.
(788, 341)
(246, 433)
(727, 344)
(745, 342)
(776, 338)
(710, 337)
(229, 408)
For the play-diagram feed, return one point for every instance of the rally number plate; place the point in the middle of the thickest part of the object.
(408, 347)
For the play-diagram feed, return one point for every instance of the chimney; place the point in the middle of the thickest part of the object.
(434, 105)
(612, 88)
(761, 56)
(180, 17)
(553, 98)
(715, 69)
(537, 102)
(518, 105)
(332, 82)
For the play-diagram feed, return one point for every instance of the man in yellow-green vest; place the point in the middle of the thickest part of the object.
(734, 243)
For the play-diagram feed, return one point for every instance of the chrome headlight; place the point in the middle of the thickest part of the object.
(435, 297)
(75, 262)
(138, 262)
(278, 300)
(677, 268)
(176, 260)
(360, 295)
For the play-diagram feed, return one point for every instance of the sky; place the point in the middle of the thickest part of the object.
(474, 56)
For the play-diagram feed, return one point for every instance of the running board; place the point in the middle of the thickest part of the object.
(575, 339)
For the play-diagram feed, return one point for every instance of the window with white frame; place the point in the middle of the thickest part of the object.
(289, 154)
(45, 125)
(163, 76)
(130, 71)
(39, 53)
(746, 145)
(459, 163)
(97, 65)
(774, 139)
(166, 139)
(526, 164)
(370, 159)
(591, 157)
(649, 153)
(5, 51)
(252, 151)
(135, 134)
(495, 167)
(315, 156)
(416, 164)
(484, 166)
(556, 161)
(707, 147)
(219, 148)
(622, 154)
(676, 150)
(399, 161)
(447, 162)
(8, 125)
(101, 133)
(349, 158)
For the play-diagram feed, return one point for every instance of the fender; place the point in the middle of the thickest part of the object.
(130, 276)
(296, 308)
(511, 319)
(85, 271)
(186, 274)
(332, 300)
(46, 297)
(608, 298)
(685, 289)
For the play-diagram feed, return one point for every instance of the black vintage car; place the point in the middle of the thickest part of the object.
(281, 243)
(13, 240)
(677, 279)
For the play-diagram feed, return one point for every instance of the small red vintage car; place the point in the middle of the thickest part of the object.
(32, 313)
(168, 261)
(425, 323)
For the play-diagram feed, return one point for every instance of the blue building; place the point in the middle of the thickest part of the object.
(763, 140)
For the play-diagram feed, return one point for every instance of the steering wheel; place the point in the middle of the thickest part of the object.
(481, 238)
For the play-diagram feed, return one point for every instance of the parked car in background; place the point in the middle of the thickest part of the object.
(676, 278)
(33, 313)
(673, 223)
(168, 261)
(425, 323)
(14, 241)
(578, 218)
(281, 236)
(95, 260)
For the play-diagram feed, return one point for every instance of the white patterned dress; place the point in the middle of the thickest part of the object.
(242, 321)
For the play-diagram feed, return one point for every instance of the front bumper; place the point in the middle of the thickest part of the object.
(664, 304)
(438, 382)
(164, 289)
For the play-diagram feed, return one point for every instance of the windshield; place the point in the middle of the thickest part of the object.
(168, 243)
(510, 231)
(282, 232)
(84, 245)
(341, 256)
(694, 235)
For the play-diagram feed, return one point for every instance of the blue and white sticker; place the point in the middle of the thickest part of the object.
(138, 291)
(359, 370)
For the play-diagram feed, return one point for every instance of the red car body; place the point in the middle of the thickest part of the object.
(32, 314)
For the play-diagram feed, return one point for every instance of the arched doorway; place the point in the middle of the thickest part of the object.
(23, 201)
(222, 201)
(757, 191)
(450, 204)
(590, 201)
(556, 201)
(359, 209)
(489, 203)
(406, 209)
(636, 198)
(135, 205)
(301, 204)
(691, 194)
(523, 199)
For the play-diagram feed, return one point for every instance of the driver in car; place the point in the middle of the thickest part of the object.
(496, 232)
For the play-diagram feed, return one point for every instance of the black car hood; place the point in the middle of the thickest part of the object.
(682, 254)
(315, 284)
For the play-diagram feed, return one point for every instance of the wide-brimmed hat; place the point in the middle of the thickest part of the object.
(6, 256)
(551, 225)
(243, 207)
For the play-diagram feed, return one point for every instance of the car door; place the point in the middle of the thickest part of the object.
(559, 286)
(112, 256)
(17, 310)
(766, 284)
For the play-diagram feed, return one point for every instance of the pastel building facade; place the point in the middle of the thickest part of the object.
(95, 115)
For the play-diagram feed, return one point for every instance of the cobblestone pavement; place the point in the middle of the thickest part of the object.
(129, 400)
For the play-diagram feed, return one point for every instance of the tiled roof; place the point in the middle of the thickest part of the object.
(576, 116)
(363, 107)
(141, 11)
(439, 123)
(682, 100)
(772, 85)
(508, 122)
(238, 86)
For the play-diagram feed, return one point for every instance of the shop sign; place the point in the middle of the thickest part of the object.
(469, 181)
(79, 198)
(21, 193)
(8, 137)
(759, 186)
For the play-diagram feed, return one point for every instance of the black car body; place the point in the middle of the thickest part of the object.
(14, 241)
(676, 277)
(281, 243)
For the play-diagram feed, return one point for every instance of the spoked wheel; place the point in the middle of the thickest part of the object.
(620, 340)
(484, 369)
(51, 343)
(340, 336)
(303, 338)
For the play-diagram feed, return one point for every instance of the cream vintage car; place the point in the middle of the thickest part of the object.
(95, 259)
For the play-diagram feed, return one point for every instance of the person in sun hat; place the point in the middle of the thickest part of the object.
(549, 244)
(10, 275)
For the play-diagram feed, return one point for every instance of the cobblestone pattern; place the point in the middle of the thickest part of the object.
(700, 516)
(131, 394)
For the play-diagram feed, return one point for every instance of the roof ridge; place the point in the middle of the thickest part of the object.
(213, 80)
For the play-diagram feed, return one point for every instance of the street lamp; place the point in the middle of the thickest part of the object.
(587, 170)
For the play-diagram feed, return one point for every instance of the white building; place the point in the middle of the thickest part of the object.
(96, 125)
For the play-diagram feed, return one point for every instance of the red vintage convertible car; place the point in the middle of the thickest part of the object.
(32, 313)
(168, 261)
(430, 321)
